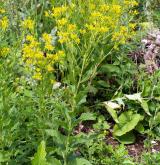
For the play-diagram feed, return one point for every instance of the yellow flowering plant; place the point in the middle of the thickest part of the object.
(85, 34)
(40, 56)
(4, 22)
(81, 26)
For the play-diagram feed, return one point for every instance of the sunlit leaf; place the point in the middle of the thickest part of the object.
(145, 107)
(127, 122)
(40, 156)
(134, 97)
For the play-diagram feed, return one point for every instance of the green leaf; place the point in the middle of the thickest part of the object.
(127, 122)
(110, 68)
(156, 120)
(111, 106)
(55, 161)
(101, 126)
(103, 83)
(79, 161)
(145, 107)
(4, 156)
(58, 137)
(134, 97)
(87, 116)
(40, 156)
(139, 127)
(127, 138)
(82, 138)
(128, 162)
(113, 113)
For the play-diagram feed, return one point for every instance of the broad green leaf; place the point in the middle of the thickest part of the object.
(40, 156)
(87, 116)
(145, 107)
(139, 127)
(127, 138)
(127, 122)
(79, 161)
(134, 97)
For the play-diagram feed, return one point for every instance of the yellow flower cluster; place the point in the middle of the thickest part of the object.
(48, 42)
(121, 35)
(95, 17)
(131, 3)
(3, 20)
(4, 51)
(35, 57)
(58, 11)
(2, 11)
(28, 24)
(4, 23)
(76, 23)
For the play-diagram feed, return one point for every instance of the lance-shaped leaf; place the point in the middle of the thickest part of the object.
(40, 156)
(127, 122)
(145, 107)
(134, 97)
(111, 106)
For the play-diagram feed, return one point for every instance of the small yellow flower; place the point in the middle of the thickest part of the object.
(2, 11)
(71, 27)
(4, 51)
(49, 47)
(63, 37)
(46, 37)
(30, 38)
(49, 68)
(116, 9)
(46, 13)
(131, 3)
(58, 11)
(104, 8)
(62, 22)
(4, 23)
(82, 31)
(132, 25)
(37, 76)
(28, 24)
(134, 12)
(61, 53)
